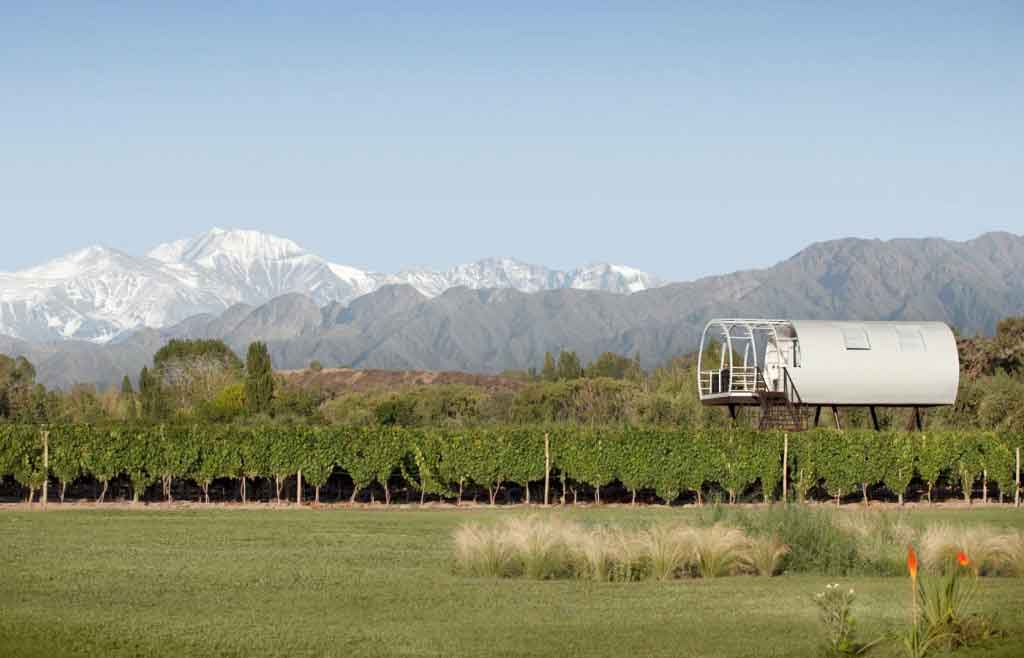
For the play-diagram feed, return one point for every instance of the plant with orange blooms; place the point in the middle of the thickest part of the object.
(919, 640)
(941, 616)
(912, 568)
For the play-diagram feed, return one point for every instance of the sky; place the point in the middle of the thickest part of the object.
(685, 139)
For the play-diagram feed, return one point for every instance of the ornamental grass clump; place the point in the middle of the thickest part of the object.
(1017, 554)
(992, 552)
(670, 550)
(719, 550)
(633, 562)
(596, 555)
(764, 555)
(540, 546)
(878, 539)
(484, 552)
(550, 546)
(543, 548)
(817, 544)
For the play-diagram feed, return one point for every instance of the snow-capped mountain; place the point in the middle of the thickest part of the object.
(612, 278)
(253, 267)
(98, 293)
(95, 294)
(507, 272)
(486, 273)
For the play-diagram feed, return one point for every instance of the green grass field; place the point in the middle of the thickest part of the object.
(255, 582)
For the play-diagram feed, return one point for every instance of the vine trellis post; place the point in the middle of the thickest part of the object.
(547, 469)
(46, 467)
(1016, 492)
(785, 467)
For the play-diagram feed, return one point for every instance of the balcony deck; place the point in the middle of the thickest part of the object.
(742, 398)
(735, 386)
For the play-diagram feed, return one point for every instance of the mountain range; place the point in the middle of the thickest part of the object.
(509, 314)
(99, 294)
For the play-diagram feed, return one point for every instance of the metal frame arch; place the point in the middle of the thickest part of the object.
(724, 326)
(757, 334)
(753, 343)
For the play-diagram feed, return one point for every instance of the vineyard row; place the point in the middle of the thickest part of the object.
(444, 463)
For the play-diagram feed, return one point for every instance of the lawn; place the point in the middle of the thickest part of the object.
(271, 582)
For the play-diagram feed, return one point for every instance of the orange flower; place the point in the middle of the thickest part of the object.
(912, 562)
(961, 559)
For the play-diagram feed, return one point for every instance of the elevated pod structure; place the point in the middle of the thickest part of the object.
(787, 366)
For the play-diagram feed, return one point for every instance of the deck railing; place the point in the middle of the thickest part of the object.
(741, 379)
(789, 388)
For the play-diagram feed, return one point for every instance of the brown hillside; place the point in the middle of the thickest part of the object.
(336, 381)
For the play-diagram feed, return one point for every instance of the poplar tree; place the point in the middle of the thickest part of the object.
(549, 374)
(152, 398)
(128, 397)
(569, 366)
(259, 378)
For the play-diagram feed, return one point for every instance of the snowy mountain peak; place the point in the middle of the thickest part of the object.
(233, 245)
(98, 293)
(79, 262)
(613, 278)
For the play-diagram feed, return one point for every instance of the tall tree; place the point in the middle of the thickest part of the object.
(154, 402)
(615, 366)
(82, 404)
(259, 378)
(144, 392)
(128, 399)
(549, 373)
(17, 381)
(194, 371)
(569, 366)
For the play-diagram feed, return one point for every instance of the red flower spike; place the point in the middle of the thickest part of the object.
(912, 562)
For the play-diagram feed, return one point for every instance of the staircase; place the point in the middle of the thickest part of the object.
(780, 410)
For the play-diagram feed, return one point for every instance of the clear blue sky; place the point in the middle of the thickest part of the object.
(386, 134)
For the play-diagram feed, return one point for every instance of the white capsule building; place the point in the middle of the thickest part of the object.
(784, 366)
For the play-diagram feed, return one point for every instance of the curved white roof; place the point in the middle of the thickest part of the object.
(876, 363)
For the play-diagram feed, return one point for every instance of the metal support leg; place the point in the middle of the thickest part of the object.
(817, 415)
(874, 419)
(835, 415)
(732, 412)
(917, 419)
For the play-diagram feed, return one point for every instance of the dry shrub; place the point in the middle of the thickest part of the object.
(481, 551)
(1016, 554)
(880, 540)
(633, 560)
(877, 527)
(669, 550)
(594, 555)
(764, 555)
(990, 551)
(607, 554)
(719, 550)
(540, 545)
(547, 546)
(602, 554)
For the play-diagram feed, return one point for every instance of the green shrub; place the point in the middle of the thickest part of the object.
(816, 544)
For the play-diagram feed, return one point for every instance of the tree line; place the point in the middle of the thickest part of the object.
(203, 381)
(196, 379)
(733, 463)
